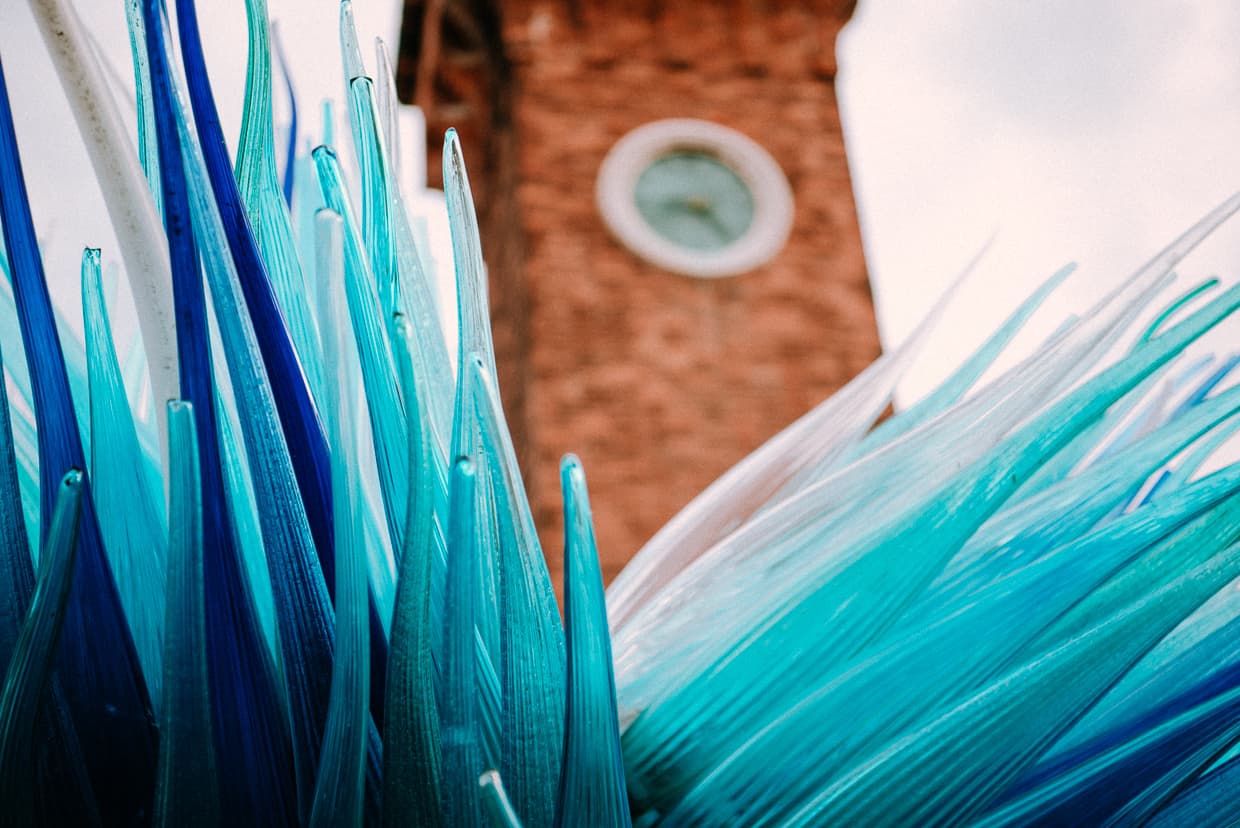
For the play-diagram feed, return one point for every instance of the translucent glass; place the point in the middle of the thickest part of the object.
(105, 674)
(592, 784)
(188, 788)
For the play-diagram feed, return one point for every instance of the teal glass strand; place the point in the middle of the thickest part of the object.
(302, 607)
(388, 102)
(592, 788)
(1020, 533)
(953, 389)
(379, 378)
(1177, 304)
(250, 718)
(474, 341)
(330, 265)
(1204, 804)
(263, 196)
(861, 597)
(64, 796)
(473, 314)
(30, 668)
(532, 656)
(187, 792)
(458, 729)
(128, 494)
(104, 686)
(965, 758)
(16, 568)
(412, 759)
(869, 700)
(338, 794)
(377, 197)
(148, 151)
(495, 800)
(245, 523)
(402, 283)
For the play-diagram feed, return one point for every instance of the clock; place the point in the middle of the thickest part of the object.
(695, 198)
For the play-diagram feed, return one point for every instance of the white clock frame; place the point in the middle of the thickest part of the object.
(632, 154)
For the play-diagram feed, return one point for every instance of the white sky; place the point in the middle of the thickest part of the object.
(1078, 131)
(1087, 131)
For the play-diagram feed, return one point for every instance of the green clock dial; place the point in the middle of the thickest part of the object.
(694, 200)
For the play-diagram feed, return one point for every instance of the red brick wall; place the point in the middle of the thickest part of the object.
(660, 382)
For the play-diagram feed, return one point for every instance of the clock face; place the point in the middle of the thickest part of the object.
(695, 197)
(692, 199)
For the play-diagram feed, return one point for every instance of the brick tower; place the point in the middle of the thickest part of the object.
(659, 381)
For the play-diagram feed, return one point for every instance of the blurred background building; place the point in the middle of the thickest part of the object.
(659, 380)
(1087, 131)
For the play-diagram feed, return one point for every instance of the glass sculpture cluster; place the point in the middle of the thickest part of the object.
(309, 590)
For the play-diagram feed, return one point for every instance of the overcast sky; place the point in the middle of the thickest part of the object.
(1092, 131)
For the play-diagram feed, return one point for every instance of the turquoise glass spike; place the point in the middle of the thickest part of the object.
(128, 495)
(188, 789)
(1013, 603)
(592, 788)
(30, 667)
(459, 729)
(412, 760)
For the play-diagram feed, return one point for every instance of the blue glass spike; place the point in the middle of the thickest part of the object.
(301, 603)
(1206, 803)
(1200, 453)
(16, 570)
(1164, 685)
(412, 758)
(866, 703)
(1203, 389)
(592, 788)
(290, 153)
(1024, 530)
(188, 789)
(458, 728)
(243, 511)
(966, 757)
(754, 668)
(128, 493)
(1142, 768)
(103, 681)
(250, 728)
(299, 420)
(30, 669)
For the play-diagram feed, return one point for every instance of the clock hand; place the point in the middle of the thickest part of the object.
(713, 220)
